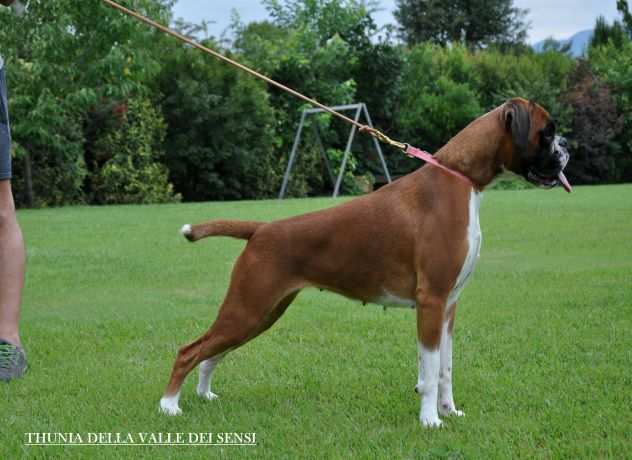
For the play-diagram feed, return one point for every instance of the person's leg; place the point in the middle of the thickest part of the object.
(11, 267)
(12, 358)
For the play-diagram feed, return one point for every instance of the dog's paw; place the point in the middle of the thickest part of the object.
(169, 406)
(431, 422)
(449, 410)
(209, 395)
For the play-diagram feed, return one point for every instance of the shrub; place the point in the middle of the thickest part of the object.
(438, 96)
(542, 78)
(220, 136)
(614, 66)
(133, 174)
(48, 149)
(595, 126)
(318, 48)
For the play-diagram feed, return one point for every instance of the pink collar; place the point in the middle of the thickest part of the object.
(428, 158)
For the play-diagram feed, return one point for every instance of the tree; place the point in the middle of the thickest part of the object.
(65, 61)
(595, 126)
(614, 66)
(624, 9)
(320, 48)
(551, 44)
(437, 97)
(134, 174)
(220, 137)
(473, 22)
(619, 33)
(604, 33)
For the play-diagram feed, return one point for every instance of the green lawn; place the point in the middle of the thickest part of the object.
(543, 340)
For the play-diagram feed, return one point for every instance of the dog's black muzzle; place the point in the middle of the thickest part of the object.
(546, 167)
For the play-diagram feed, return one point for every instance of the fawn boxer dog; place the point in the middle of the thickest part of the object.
(412, 243)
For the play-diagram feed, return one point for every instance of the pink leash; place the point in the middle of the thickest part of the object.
(428, 158)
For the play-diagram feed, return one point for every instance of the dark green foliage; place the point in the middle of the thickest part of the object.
(48, 143)
(614, 66)
(317, 47)
(65, 60)
(379, 84)
(624, 9)
(551, 44)
(133, 174)
(539, 77)
(609, 33)
(444, 89)
(474, 23)
(105, 110)
(438, 96)
(595, 126)
(219, 142)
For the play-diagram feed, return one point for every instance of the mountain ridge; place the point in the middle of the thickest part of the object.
(579, 42)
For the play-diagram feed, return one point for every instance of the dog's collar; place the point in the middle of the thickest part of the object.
(428, 158)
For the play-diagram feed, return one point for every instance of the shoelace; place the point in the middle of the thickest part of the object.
(9, 356)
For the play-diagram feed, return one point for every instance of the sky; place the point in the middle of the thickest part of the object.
(557, 18)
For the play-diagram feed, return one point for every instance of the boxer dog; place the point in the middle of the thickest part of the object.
(412, 243)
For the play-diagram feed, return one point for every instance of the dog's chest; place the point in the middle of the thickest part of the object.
(474, 239)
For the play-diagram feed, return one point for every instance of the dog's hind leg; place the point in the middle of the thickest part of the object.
(206, 369)
(207, 366)
(253, 303)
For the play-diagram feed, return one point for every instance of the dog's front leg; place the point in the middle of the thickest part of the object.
(420, 376)
(430, 311)
(446, 398)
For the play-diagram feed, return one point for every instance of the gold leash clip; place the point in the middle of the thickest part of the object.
(380, 136)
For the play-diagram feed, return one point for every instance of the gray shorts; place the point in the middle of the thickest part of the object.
(5, 132)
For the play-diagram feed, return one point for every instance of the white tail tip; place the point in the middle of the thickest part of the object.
(186, 230)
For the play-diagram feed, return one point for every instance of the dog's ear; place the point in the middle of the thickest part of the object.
(518, 123)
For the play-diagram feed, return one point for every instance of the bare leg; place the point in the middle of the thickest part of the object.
(12, 262)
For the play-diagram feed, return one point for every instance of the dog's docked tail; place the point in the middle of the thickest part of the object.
(243, 229)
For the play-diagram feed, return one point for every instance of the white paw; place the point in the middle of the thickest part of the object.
(448, 409)
(451, 412)
(431, 422)
(208, 395)
(169, 407)
(186, 230)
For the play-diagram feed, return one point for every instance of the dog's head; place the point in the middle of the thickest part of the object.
(537, 153)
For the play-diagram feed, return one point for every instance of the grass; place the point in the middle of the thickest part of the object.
(543, 342)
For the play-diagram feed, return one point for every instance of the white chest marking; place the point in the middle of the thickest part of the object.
(474, 238)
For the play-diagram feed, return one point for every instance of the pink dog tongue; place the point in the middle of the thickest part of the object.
(565, 182)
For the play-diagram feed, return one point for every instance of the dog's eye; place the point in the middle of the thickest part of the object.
(546, 141)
